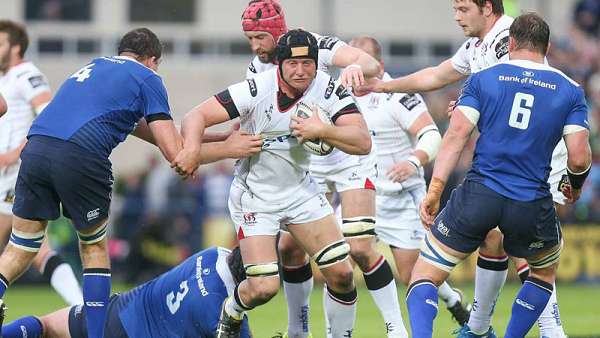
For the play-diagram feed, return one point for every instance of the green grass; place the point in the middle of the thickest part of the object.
(578, 306)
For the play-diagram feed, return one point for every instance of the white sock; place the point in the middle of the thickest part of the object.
(549, 321)
(490, 276)
(382, 287)
(327, 326)
(297, 286)
(65, 283)
(340, 310)
(448, 295)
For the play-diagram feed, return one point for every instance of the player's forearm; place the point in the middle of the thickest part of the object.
(349, 139)
(169, 141)
(192, 128)
(448, 156)
(422, 81)
(213, 152)
(215, 136)
(368, 64)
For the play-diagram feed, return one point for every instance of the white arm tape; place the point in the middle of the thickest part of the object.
(470, 113)
(429, 140)
(572, 128)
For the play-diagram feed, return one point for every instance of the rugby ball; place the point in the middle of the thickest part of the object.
(316, 147)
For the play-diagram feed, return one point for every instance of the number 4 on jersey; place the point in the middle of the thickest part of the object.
(83, 74)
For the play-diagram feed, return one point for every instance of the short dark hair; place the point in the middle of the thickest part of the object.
(530, 32)
(375, 45)
(17, 35)
(497, 5)
(142, 42)
(236, 265)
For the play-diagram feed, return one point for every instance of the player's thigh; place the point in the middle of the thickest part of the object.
(292, 253)
(258, 249)
(56, 324)
(471, 212)
(358, 202)
(530, 228)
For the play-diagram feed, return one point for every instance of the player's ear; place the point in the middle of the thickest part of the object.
(512, 45)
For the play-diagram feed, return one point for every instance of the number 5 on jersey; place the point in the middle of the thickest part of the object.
(83, 74)
(521, 111)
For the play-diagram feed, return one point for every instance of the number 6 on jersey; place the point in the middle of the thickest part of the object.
(521, 111)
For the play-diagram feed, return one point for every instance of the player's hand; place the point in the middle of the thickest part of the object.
(352, 76)
(311, 128)
(572, 195)
(429, 209)
(187, 162)
(8, 159)
(401, 171)
(241, 144)
(451, 107)
(373, 84)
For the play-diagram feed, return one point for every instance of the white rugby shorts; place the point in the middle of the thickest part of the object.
(398, 223)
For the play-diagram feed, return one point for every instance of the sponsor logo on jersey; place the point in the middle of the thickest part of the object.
(252, 68)
(250, 218)
(94, 304)
(37, 81)
(536, 245)
(501, 48)
(468, 45)
(199, 272)
(10, 197)
(374, 101)
(93, 214)
(330, 88)
(410, 101)
(528, 73)
(342, 92)
(328, 42)
(252, 86)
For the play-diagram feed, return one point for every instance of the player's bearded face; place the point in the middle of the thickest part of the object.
(299, 73)
(469, 17)
(262, 44)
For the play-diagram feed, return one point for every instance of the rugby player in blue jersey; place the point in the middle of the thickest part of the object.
(522, 109)
(183, 302)
(66, 160)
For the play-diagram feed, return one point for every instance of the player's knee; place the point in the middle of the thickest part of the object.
(362, 253)
(332, 254)
(262, 289)
(93, 237)
(342, 278)
(358, 227)
(30, 242)
(291, 253)
(492, 245)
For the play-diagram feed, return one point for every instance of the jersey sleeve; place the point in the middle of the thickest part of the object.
(32, 83)
(460, 60)
(469, 101)
(343, 102)
(328, 46)
(498, 52)
(155, 101)
(407, 109)
(578, 116)
(238, 99)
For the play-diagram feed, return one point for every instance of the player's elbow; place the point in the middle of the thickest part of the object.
(579, 159)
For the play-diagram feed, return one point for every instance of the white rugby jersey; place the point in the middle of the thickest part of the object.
(389, 116)
(475, 55)
(19, 85)
(328, 45)
(278, 175)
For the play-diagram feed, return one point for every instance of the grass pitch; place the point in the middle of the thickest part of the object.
(580, 311)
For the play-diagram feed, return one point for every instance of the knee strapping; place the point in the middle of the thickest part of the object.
(332, 254)
(435, 256)
(94, 237)
(30, 242)
(362, 226)
(547, 260)
(262, 270)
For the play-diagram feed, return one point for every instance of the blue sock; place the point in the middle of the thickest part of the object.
(422, 303)
(96, 293)
(529, 304)
(29, 327)
(3, 285)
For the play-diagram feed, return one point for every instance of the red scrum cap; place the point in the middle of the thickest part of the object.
(264, 16)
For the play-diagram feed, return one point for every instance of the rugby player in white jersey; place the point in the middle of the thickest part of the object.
(27, 92)
(406, 139)
(273, 188)
(263, 22)
(484, 22)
